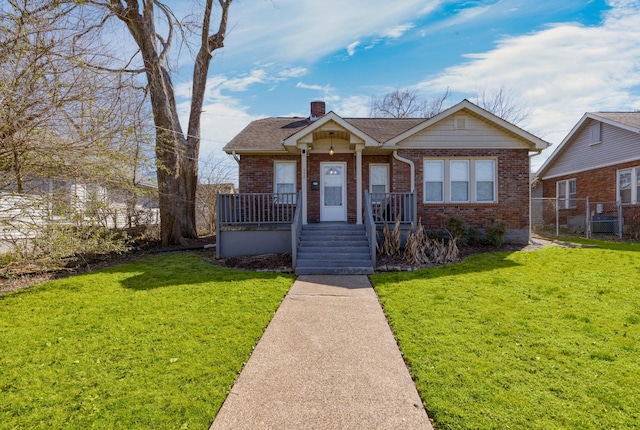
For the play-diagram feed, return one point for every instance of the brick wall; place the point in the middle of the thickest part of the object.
(255, 172)
(256, 175)
(599, 185)
(513, 189)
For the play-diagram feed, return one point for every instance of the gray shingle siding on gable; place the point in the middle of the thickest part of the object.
(618, 145)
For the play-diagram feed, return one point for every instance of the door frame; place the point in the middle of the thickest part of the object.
(343, 217)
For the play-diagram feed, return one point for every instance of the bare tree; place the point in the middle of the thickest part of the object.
(58, 118)
(36, 82)
(176, 151)
(502, 102)
(63, 124)
(406, 103)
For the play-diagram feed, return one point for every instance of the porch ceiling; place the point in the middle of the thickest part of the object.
(331, 134)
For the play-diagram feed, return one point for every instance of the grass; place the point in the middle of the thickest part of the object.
(153, 344)
(529, 340)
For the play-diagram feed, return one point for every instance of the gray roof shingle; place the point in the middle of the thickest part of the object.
(267, 134)
(631, 119)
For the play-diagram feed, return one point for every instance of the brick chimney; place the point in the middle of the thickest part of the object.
(317, 110)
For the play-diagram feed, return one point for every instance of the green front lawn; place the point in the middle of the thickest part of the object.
(528, 340)
(155, 344)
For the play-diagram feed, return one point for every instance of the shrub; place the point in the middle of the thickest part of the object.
(495, 232)
(465, 235)
(473, 236)
(458, 229)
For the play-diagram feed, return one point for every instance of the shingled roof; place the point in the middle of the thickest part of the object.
(631, 119)
(267, 134)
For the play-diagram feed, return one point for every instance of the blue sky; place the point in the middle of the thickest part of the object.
(559, 59)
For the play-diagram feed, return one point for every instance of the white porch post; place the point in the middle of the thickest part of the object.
(303, 186)
(359, 183)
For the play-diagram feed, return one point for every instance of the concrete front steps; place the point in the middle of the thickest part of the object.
(334, 249)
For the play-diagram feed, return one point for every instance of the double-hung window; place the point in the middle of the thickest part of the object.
(285, 181)
(629, 185)
(458, 180)
(378, 181)
(485, 180)
(434, 181)
(567, 193)
(459, 174)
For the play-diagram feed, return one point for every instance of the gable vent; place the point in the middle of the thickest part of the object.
(460, 122)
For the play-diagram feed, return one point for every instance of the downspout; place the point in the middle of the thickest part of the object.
(235, 156)
(530, 208)
(411, 165)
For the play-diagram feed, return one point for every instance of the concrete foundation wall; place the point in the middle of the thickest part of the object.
(237, 241)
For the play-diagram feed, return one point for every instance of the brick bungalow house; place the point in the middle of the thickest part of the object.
(598, 160)
(462, 162)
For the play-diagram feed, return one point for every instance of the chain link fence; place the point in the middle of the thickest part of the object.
(552, 217)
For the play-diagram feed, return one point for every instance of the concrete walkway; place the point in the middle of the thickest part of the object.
(328, 360)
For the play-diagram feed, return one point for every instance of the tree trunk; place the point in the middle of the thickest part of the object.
(208, 44)
(172, 151)
(176, 155)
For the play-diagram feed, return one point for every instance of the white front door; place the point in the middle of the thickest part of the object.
(333, 192)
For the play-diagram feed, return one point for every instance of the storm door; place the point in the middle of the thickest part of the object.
(333, 192)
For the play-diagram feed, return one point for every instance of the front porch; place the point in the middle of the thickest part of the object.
(265, 223)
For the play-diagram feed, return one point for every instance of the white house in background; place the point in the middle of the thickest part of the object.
(51, 201)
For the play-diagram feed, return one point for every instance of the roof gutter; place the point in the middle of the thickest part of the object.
(411, 165)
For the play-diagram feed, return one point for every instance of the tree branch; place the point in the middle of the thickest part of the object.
(171, 19)
(216, 41)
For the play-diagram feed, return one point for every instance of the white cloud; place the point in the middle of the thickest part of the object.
(351, 48)
(397, 31)
(221, 121)
(324, 88)
(352, 107)
(462, 17)
(218, 86)
(242, 83)
(293, 30)
(559, 72)
(293, 72)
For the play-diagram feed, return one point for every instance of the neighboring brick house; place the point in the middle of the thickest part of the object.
(600, 160)
(463, 162)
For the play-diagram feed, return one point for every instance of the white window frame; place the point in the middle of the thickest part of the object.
(286, 200)
(595, 133)
(566, 201)
(493, 179)
(635, 185)
(451, 182)
(424, 182)
(472, 194)
(387, 182)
